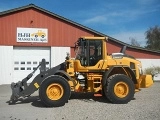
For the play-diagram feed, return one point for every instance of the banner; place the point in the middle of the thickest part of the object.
(32, 35)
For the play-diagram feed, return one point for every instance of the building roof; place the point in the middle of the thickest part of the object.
(74, 23)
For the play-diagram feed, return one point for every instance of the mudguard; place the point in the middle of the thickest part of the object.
(106, 74)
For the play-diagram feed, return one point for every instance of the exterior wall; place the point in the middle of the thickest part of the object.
(60, 33)
(146, 63)
(142, 54)
(113, 47)
(58, 55)
(6, 64)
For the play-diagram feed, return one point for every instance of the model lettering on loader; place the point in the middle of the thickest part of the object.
(116, 76)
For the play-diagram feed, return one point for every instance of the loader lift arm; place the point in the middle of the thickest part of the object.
(21, 88)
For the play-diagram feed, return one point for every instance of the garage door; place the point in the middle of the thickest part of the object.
(26, 59)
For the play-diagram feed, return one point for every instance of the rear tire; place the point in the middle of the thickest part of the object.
(119, 89)
(54, 91)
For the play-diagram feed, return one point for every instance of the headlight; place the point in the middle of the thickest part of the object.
(140, 69)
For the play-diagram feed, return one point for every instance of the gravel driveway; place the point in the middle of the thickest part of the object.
(145, 106)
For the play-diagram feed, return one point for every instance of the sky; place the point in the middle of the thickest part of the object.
(120, 19)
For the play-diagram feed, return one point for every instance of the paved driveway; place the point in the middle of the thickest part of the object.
(145, 106)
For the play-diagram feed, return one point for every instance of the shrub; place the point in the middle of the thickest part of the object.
(152, 70)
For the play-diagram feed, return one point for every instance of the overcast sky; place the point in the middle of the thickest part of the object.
(120, 19)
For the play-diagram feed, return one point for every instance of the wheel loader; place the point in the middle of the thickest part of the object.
(116, 76)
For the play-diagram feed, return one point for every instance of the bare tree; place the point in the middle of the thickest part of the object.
(134, 42)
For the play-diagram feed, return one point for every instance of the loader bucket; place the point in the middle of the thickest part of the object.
(146, 82)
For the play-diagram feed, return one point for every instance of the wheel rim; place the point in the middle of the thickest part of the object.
(54, 91)
(121, 89)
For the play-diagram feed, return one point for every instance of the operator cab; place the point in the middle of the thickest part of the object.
(88, 51)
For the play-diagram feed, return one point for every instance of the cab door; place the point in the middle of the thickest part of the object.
(91, 59)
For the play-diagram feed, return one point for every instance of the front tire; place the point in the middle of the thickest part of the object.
(54, 91)
(119, 89)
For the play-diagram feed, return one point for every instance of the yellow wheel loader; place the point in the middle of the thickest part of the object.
(117, 76)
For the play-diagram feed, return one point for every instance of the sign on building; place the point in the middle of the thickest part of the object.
(32, 35)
